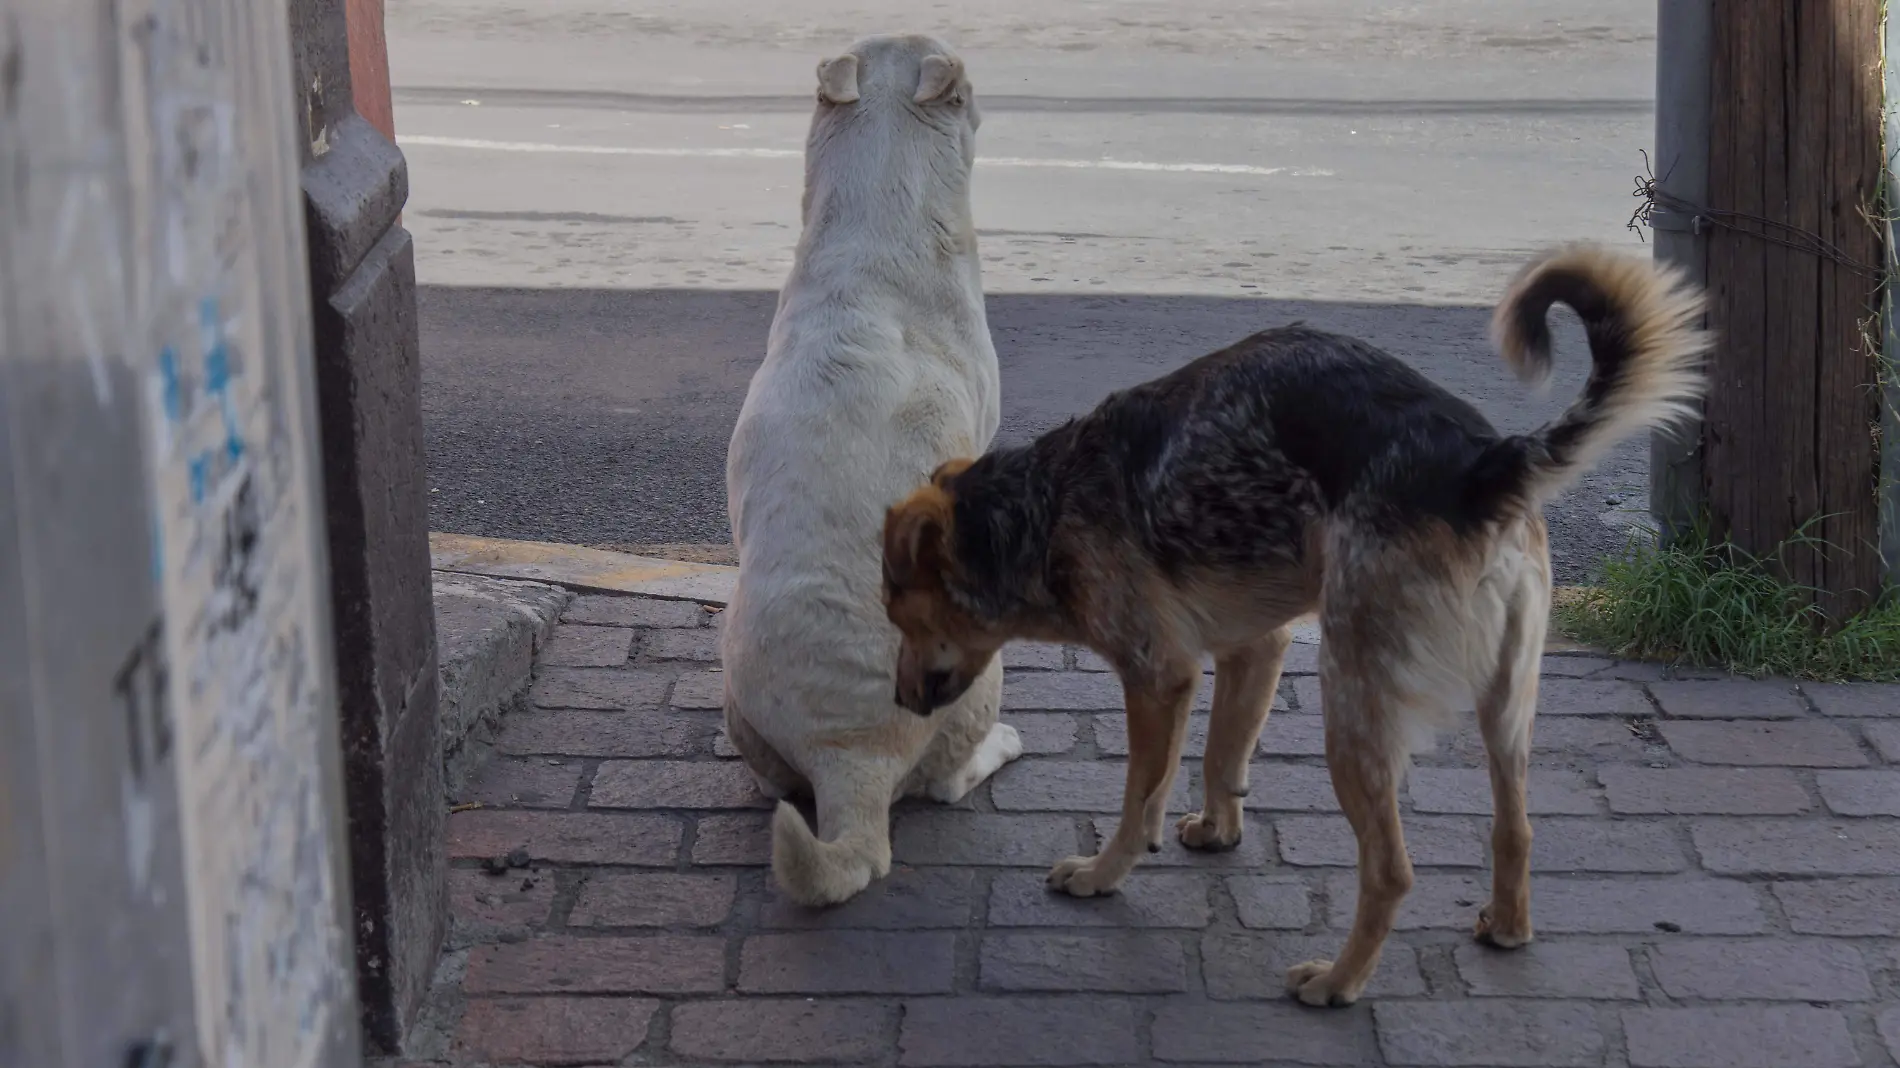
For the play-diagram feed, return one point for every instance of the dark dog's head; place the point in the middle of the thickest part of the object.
(945, 648)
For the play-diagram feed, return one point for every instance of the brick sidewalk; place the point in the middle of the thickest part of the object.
(1715, 861)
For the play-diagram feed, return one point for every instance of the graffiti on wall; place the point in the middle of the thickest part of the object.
(236, 539)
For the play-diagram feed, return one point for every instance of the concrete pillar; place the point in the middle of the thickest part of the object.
(172, 829)
(362, 289)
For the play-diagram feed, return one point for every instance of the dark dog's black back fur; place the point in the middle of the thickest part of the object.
(1226, 461)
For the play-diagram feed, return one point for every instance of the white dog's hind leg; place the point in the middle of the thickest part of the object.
(776, 778)
(999, 747)
(768, 789)
(854, 815)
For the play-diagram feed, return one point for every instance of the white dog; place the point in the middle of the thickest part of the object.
(878, 369)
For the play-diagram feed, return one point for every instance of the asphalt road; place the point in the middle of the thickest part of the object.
(605, 197)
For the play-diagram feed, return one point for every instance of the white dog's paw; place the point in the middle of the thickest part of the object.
(1008, 742)
(1000, 746)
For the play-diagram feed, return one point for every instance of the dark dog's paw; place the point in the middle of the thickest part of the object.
(1493, 932)
(1083, 877)
(1315, 983)
(1198, 832)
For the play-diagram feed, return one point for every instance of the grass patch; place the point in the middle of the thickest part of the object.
(1711, 605)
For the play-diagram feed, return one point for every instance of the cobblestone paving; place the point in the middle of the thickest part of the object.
(1717, 883)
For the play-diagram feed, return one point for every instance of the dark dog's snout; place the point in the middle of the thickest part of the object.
(936, 693)
(937, 686)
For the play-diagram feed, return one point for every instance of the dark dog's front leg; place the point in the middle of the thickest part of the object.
(1157, 728)
(1244, 683)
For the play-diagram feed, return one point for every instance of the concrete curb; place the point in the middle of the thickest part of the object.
(487, 634)
(580, 568)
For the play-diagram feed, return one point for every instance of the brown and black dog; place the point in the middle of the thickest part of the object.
(1297, 472)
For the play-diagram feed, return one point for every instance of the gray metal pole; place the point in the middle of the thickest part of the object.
(172, 886)
(1890, 333)
(1682, 169)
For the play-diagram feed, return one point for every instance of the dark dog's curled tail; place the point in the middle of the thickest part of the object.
(1646, 347)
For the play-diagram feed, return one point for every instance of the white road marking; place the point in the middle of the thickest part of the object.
(474, 144)
(596, 150)
(1142, 165)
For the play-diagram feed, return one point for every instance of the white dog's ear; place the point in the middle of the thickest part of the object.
(838, 79)
(939, 79)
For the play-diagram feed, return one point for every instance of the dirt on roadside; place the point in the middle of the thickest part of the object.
(689, 552)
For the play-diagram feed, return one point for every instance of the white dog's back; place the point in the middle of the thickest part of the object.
(879, 367)
(822, 447)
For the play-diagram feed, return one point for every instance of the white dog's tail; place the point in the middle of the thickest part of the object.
(815, 872)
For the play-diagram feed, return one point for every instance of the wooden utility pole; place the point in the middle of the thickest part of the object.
(1792, 261)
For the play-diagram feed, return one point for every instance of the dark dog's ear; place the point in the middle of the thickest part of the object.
(915, 536)
(948, 470)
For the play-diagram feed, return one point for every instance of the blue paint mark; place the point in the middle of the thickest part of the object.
(174, 390)
(233, 445)
(217, 355)
(218, 373)
(217, 370)
(200, 476)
